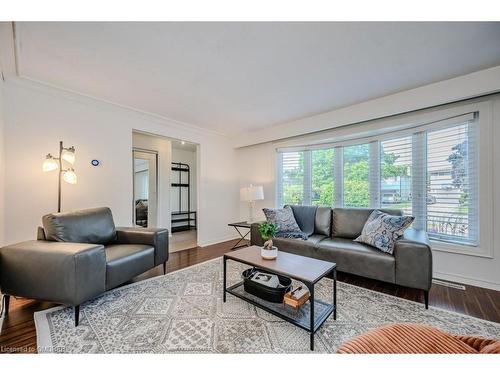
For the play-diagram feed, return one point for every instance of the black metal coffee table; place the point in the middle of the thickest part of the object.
(306, 270)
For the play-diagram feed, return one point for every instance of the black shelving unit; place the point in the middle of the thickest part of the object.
(185, 217)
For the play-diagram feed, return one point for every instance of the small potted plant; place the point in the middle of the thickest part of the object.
(267, 232)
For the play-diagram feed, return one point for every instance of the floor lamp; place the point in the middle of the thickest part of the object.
(67, 174)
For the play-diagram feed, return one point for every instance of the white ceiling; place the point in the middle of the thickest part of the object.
(236, 77)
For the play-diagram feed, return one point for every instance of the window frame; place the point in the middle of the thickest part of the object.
(383, 129)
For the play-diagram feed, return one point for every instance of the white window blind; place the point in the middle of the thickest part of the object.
(291, 173)
(419, 180)
(322, 188)
(374, 174)
(338, 177)
(396, 174)
(356, 176)
(451, 194)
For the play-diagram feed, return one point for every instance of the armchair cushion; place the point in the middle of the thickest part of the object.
(156, 237)
(67, 273)
(123, 262)
(94, 225)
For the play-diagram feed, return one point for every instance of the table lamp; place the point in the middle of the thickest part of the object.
(251, 194)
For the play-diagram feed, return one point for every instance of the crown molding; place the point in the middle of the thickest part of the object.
(61, 92)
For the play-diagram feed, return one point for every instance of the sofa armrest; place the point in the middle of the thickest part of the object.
(61, 272)
(413, 255)
(255, 238)
(156, 237)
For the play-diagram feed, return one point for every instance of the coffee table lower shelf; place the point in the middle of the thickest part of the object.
(300, 318)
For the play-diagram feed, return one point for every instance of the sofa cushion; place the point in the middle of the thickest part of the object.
(285, 220)
(357, 258)
(299, 247)
(123, 262)
(349, 222)
(94, 225)
(323, 221)
(305, 216)
(382, 230)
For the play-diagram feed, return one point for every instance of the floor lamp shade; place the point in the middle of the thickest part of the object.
(51, 163)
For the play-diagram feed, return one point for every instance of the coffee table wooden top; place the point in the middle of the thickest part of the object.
(295, 266)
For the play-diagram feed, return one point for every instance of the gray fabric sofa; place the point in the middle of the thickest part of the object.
(79, 255)
(331, 233)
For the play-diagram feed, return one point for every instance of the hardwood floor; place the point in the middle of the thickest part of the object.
(18, 333)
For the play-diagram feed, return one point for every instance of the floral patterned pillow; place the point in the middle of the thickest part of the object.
(382, 230)
(285, 220)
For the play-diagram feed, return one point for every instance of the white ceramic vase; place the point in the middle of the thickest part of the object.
(269, 254)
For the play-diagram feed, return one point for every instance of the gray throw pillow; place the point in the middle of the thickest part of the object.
(382, 230)
(284, 219)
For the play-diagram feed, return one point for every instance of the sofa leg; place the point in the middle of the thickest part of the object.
(426, 298)
(6, 301)
(77, 315)
(164, 268)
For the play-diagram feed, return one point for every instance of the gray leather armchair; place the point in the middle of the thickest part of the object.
(79, 255)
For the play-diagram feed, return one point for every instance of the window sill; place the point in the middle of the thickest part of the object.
(474, 251)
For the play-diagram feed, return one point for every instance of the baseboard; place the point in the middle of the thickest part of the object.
(217, 240)
(466, 280)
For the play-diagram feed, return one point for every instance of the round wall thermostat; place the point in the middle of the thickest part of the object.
(95, 162)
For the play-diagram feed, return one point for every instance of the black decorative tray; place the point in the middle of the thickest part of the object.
(265, 292)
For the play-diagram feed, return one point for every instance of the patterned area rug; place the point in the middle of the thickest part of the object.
(182, 312)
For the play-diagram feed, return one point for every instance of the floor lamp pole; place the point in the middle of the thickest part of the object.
(60, 176)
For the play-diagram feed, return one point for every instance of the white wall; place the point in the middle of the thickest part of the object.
(164, 149)
(38, 116)
(188, 157)
(258, 165)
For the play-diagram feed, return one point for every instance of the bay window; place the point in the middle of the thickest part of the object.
(427, 171)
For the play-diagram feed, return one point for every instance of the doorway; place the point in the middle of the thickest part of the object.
(145, 188)
(183, 196)
(165, 187)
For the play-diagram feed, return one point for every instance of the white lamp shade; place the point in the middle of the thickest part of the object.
(251, 193)
(49, 164)
(70, 176)
(68, 155)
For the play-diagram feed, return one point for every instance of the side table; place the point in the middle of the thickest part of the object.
(246, 227)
